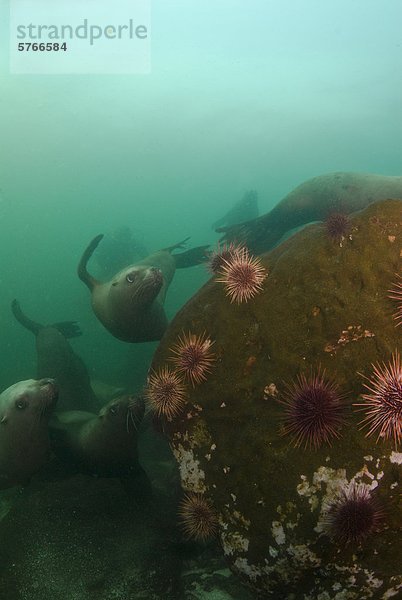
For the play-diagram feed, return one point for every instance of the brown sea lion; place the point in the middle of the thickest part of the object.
(103, 444)
(25, 409)
(130, 305)
(314, 200)
(56, 358)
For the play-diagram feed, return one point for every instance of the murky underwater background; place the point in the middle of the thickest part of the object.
(243, 95)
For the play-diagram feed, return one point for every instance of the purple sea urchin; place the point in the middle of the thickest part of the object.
(165, 393)
(223, 253)
(353, 515)
(313, 410)
(336, 225)
(383, 403)
(193, 357)
(242, 275)
(396, 294)
(198, 519)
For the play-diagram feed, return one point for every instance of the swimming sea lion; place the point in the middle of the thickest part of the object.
(56, 358)
(25, 409)
(314, 200)
(130, 305)
(103, 444)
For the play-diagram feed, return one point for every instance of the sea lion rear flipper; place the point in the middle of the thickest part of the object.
(192, 257)
(70, 329)
(23, 319)
(181, 244)
(83, 274)
(244, 233)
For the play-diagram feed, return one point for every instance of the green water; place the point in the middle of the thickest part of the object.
(242, 95)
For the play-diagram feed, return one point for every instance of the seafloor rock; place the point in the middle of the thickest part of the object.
(325, 304)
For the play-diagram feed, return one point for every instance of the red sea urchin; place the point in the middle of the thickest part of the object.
(193, 357)
(336, 225)
(352, 515)
(242, 275)
(396, 294)
(198, 519)
(165, 393)
(383, 405)
(313, 410)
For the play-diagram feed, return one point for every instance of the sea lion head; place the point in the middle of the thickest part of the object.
(138, 285)
(31, 400)
(123, 412)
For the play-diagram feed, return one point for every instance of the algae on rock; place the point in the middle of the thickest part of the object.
(325, 304)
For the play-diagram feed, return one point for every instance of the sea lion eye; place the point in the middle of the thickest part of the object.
(21, 403)
(130, 278)
(113, 410)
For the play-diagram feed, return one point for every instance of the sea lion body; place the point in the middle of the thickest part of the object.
(57, 359)
(25, 409)
(314, 200)
(130, 305)
(103, 444)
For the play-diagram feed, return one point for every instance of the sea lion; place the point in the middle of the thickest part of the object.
(130, 305)
(25, 409)
(314, 200)
(56, 358)
(245, 209)
(103, 444)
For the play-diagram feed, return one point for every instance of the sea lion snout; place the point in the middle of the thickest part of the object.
(154, 276)
(49, 390)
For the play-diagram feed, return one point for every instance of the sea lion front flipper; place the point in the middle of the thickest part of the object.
(192, 257)
(23, 319)
(69, 329)
(83, 274)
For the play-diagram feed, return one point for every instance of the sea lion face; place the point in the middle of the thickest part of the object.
(139, 285)
(31, 401)
(123, 412)
(25, 408)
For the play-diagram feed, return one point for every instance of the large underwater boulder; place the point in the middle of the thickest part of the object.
(304, 509)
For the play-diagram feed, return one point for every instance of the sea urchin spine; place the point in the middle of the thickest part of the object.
(223, 252)
(242, 275)
(192, 357)
(352, 515)
(197, 518)
(337, 225)
(313, 410)
(165, 393)
(383, 403)
(396, 294)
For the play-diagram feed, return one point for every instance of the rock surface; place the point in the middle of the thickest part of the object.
(325, 304)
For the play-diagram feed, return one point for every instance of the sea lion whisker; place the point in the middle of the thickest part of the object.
(134, 421)
(148, 410)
